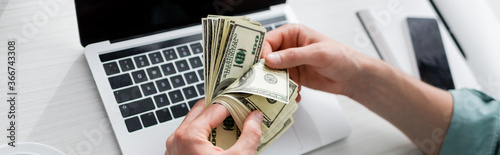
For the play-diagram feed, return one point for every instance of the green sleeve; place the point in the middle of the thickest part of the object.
(474, 126)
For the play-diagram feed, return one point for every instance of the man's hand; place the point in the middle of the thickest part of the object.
(191, 136)
(319, 62)
(314, 60)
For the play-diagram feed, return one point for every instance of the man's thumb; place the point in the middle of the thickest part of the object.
(250, 135)
(292, 57)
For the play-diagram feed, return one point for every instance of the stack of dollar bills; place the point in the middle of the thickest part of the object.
(237, 78)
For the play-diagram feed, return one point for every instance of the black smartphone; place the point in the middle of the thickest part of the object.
(429, 52)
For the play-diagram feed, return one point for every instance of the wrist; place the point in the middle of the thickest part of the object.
(372, 79)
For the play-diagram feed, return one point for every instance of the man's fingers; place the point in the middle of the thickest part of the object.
(195, 111)
(281, 38)
(293, 35)
(250, 135)
(211, 117)
(290, 35)
(298, 98)
(266, 49)
(292, 57)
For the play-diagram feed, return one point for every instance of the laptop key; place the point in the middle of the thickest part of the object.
(148, 119)
(120, 81)
(177, 81)
(126, 65)
(201, 88)
(133, 124)
(269, 28)
(127, 94)
(111, 68)
(136, 107)
(139, 76)
(168, 69)
(196, 48)
(161, 100)
(192, 103)
(191, 77)
(163, 85)
(202, 76)
(163, 115)
(175, 96)
(148, 89)
(179, 110)
(154, 72)
(169, 54)
(155, 58)
(279, 25)
(190, 92)
(272, 20)
(195, 62)
(183, 51)
(182, 65)
(141, 61)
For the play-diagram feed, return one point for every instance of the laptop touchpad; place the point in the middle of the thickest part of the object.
(288, 143)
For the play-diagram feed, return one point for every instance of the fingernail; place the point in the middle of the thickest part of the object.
(258, 116)
(274, 57)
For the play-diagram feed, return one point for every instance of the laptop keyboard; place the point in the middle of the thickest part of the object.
(159, 82)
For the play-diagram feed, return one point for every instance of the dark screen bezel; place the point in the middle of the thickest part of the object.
(117, 36)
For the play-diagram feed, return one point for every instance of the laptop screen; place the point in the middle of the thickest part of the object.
(116, 20)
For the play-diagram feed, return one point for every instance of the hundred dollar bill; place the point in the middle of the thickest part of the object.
(270, 83)
(270, 138)
(225, 134)
(235, 78)
(229, 38)
(242, 51)
(274, 112)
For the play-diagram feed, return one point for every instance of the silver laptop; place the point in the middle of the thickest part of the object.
(146, 60)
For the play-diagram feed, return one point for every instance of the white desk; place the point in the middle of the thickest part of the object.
(59, 104)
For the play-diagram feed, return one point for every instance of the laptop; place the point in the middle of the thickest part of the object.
(146, 60)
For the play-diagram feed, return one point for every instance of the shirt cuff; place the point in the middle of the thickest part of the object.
(474, 126)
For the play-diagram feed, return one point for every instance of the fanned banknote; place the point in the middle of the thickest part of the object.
(236, 78)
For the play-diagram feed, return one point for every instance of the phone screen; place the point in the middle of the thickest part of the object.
(430, 53)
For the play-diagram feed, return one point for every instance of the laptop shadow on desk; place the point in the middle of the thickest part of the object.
(75, 121)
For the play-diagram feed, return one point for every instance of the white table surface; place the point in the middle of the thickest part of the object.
(58, 102)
